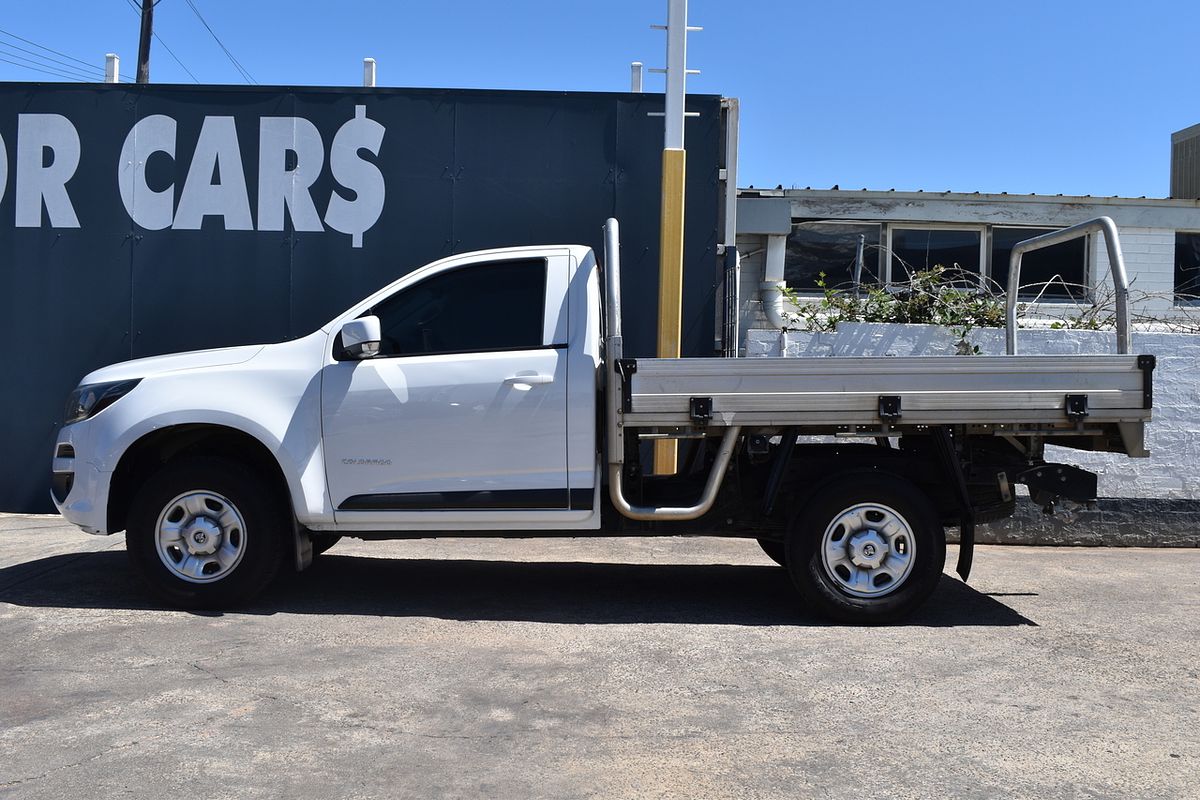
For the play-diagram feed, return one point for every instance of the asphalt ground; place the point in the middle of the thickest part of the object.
(635, 668)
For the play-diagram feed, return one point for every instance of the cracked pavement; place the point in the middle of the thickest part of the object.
(635, 668)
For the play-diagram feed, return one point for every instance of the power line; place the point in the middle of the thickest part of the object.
(59, 62)
(138, 10)
(44, 63)
(237, 64)
(39, 61)
(43, 47)
(90, 66)
(177, 61)
(44, 71)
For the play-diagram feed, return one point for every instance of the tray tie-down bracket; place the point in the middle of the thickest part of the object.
(1076, 406)
(890, 411)
(700, 410)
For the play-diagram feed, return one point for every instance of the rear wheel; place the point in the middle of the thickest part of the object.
(206, 533)
(868, 549)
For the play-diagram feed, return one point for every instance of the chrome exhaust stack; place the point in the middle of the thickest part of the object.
(615, 377)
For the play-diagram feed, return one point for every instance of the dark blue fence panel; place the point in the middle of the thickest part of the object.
(215, 216)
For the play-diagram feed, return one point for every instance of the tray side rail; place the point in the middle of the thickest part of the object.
(1116, 265)
(1090, 395)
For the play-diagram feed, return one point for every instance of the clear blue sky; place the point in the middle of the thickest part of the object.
(969, 96)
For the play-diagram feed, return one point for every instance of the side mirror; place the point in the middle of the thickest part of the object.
(360, 338)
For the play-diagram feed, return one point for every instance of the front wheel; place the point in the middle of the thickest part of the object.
(868, 549)
(206, 533)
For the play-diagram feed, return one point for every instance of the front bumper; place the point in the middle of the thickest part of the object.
(78, 487)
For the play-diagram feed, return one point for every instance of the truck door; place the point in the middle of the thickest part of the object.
(464, 412)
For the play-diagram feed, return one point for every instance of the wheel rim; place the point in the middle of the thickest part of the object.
(200, 537)
(868, 550)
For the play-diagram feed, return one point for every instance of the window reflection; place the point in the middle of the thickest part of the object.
(1058, 272)
(1187, 266)
(817, 247)
(919, 249)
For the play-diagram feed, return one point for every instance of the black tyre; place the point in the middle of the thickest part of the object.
(206, 533)
(776, 551)
(869, 548)
(323, 541)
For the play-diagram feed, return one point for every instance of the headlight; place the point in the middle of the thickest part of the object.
(90, 399)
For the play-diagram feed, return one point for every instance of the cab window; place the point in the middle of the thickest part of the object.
(497, 305)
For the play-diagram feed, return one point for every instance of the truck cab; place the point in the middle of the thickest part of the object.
(478, 408)
(489, 359)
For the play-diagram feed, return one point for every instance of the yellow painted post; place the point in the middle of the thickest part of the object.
(670, 281)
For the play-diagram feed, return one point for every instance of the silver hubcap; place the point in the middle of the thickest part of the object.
(867, 550)
(201, 537)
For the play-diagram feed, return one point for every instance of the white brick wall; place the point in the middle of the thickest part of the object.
(1173, 437)
(1149, 262)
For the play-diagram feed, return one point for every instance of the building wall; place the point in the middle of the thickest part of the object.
(1147, 229)
(1150, 265)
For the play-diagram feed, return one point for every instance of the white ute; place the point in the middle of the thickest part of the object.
(462, 400)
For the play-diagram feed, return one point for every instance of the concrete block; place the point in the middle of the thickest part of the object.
(1115, 523)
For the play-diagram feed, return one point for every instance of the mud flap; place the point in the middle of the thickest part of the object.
(966, 548)
(303, 547)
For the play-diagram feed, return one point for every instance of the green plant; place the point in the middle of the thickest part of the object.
(1094, 318)
(962, 301)
(937, 296)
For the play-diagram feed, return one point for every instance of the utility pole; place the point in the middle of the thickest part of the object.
(670, 272)
(143, 68)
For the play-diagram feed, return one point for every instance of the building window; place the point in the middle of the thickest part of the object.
(1187, 267)
(1058, 272)
(920, 249)
(817, 247)
(974, 256)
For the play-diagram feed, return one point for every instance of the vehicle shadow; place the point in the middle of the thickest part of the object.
(553, 592)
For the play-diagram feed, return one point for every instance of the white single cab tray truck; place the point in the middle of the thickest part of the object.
(488, 394)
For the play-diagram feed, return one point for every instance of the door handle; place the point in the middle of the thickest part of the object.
(531, 379)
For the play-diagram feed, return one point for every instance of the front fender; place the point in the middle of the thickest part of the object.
(275, 398)
(297, 452)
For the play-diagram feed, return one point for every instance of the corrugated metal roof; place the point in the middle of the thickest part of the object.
(837, 191)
